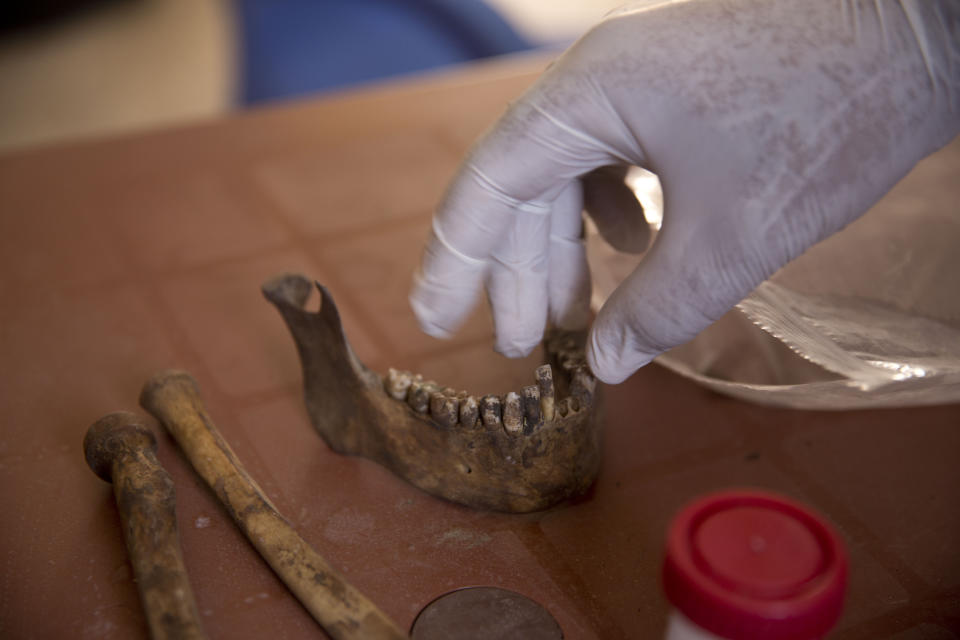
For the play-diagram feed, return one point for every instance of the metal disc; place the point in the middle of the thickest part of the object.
(482, 613)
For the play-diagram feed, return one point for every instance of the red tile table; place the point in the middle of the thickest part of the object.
(124, 256)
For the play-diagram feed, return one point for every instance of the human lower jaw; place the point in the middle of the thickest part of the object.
(523, 451)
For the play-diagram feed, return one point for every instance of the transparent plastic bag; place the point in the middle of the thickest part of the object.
(869, 317)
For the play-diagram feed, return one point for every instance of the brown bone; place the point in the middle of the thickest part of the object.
(173, 398)
(521, 463)
(122, 450)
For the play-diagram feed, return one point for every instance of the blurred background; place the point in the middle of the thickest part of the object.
(71, 69)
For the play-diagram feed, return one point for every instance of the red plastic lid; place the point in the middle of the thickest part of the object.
(747, 564)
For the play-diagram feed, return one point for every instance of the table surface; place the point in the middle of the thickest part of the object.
(125, 256)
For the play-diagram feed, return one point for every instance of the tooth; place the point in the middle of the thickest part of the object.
(490, 410)
(563, 408)
(531, 408)
(512, 413)
(419, 395)
(469, 411)
(444, 409)
(582, 385)
(398, 383)
(544, 376)
(569, 405)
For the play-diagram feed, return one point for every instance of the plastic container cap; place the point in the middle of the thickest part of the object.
(748, 564)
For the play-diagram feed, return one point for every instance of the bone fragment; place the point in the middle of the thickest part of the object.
(398, 383)
(469, 412)
(491, 411)
(350, 407)
(122, 450)
(344, 613)
(512, 413)
(532, 419)
(444, 409)
(544, 375)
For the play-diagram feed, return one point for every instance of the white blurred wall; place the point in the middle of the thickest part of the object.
(551, 21)
(129, 66)
(159, 62)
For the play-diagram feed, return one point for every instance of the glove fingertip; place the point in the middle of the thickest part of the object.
(515, 348)
(428, 318)
(612, 364)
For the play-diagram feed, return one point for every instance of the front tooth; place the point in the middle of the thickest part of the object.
(398, 383)
(444, 409)
(544, 376)
(419, 395)
(512, 413)
(583, 385)
(469, 411)
(531, 408)
(490, 411)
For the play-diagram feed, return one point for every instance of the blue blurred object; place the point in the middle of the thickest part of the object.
(293, 47)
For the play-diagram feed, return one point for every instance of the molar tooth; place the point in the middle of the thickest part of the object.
(419, 395)
(398, 383)
(582, 385)
(531, 409)
(512, 413)
(544, 376)
(469, 411)
(444, 409)
(490, 410)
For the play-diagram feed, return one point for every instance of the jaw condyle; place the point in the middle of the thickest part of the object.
(524, 451)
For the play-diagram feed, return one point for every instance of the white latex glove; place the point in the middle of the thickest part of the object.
(771, 124)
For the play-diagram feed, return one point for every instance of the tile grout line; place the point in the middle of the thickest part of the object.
(573, 586)
(151, 289)
(306, 246)
(917, 588)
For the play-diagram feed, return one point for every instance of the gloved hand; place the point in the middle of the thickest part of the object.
(770, 123)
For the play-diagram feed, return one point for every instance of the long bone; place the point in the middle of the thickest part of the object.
(173, 398)
(122, 450)
(518, 453)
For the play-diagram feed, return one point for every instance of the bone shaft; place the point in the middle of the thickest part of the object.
(344, 613)
(122, 450)
(146, 501)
